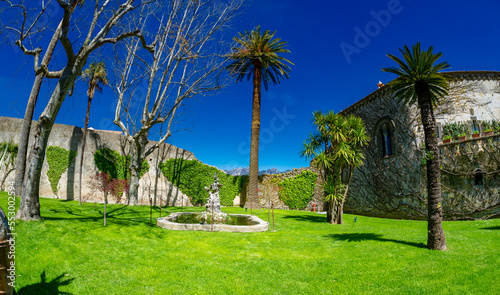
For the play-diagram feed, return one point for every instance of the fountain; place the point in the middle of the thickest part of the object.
(213, 219)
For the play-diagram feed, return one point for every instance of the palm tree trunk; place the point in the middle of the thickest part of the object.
(83, 147)
(253, 174)
(28, 115)
(329, 212)
(435, 234)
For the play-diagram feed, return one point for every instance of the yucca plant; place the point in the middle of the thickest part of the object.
(337, 148)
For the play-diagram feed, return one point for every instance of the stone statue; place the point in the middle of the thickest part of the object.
(214, 198)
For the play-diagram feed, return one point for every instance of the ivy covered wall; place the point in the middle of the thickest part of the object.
(470, 178)
(297, 189)
(192, 176)
(116, 165)
(296, 192)
(69, 138)
(394, 186)
(59, 160)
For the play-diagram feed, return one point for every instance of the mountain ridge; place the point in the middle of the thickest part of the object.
(244, 171)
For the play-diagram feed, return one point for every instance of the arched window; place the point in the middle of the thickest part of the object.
(384, 137)
(478, 177)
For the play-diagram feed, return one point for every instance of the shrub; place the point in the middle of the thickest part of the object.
(297, 192)
(102, 182)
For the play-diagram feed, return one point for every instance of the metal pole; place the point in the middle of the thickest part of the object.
(150, 212)
(272, 207)
(212, 215)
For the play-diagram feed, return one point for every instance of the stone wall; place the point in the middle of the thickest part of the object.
(268, 189)
(393, 184)
(387, 185)
(470, 178)
(70, 138)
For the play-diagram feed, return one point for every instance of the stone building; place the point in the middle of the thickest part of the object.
(392, 182)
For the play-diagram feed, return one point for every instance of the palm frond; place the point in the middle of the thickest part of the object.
(256, 49)
(418, 67)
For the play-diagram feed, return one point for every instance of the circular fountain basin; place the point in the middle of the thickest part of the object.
(254, 224)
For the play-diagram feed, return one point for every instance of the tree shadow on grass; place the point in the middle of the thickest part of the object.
(116, 215)
(358, 237)
(491, 228)
(309, 218)
(46, 288)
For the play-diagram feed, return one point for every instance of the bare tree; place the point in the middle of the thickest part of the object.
(187, 60)
(100, 30)
(8, 154)
(25, 31)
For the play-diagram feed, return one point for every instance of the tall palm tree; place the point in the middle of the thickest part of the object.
(95, 75)
(420, 82)
(336, 147)
(256, 55)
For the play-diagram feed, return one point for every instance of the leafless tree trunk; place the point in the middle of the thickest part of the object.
(105, 17)
(26, 29)
(187, 61)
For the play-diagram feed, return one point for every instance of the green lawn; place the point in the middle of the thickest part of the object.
(71, 251)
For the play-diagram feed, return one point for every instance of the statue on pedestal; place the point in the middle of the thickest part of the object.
(214, 198)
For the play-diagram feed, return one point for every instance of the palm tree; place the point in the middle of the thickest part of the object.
(336, 148)
(420, 82)
(257, 56)
(95, 75)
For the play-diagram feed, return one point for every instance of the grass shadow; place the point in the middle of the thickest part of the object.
(491, 228)
(358, 237)
(309, 218)
(46, 288)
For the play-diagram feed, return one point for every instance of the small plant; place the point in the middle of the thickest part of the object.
(487, 126)
(448, 130)
(475, 132)
(456, 129)
(495, 125)
(446, 137)
(103, 183)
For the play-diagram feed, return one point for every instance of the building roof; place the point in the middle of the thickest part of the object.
(462, 75)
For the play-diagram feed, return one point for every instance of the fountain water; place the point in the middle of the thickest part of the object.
(213, 219)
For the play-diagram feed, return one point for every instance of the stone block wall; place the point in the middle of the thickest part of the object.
(268, 189)
(394, 185)
(70, 138)
(470, 178)
(387, 184)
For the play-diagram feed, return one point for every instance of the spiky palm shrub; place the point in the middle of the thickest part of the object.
(337, 148)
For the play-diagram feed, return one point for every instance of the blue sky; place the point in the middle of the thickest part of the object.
(338, 48)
